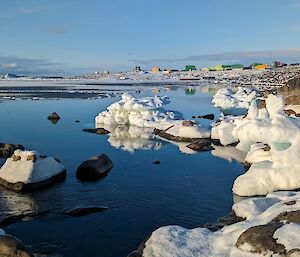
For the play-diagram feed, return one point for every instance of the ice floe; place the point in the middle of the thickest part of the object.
(234, 102)
(148, 112)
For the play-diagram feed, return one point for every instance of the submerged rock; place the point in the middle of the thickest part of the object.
(156, 162)
(95, 168)
(13, 247)
(99, 131)
(54, 117)
(85, 210)
(28, 170)
(6, 150)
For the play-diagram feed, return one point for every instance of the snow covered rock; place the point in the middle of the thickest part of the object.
(28, 170)
(262, 234)
(186, 131)
(234, 103)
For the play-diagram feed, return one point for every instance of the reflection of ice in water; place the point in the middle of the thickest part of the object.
(131, 138)
(229, 153)
(15, 203)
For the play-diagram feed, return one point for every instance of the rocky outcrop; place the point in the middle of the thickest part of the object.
(99, 131)
(12, 247)
(201, 145)
(95, 168)
(6, 150)
(259, 239)
(165, 135)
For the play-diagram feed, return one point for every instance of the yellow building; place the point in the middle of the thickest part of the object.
(155, 69)
(261, 67)
(106, 72)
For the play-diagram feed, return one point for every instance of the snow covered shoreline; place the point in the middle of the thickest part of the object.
(268, 139)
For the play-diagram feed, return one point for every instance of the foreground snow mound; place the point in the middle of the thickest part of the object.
(176, 241)
(26, 169)
(234, 103)
(251, 238)
(144, 112)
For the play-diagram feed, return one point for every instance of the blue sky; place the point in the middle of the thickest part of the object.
(72, 36)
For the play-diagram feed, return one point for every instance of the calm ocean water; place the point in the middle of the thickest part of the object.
(185, 189)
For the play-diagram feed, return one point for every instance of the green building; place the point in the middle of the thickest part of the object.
(190, 67)
(232, 66)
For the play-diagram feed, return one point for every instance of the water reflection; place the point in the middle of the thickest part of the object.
(131, 138)
(229, 153)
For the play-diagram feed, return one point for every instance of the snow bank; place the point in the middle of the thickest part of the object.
(196, 130)
(289, 236)
(21, 168)
(272, 140)
(234, 103)
(176, 241)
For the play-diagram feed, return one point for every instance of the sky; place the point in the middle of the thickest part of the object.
(61, 37)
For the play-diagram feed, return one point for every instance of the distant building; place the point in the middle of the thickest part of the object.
(261, 66)
(96, 72)
(232, 66)
(217, 67)
(137, 68)
(155, 69)
(190, 67)
(106, 72)
(278, 64)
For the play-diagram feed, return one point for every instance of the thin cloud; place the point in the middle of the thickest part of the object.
(29, 66)
(238, 56)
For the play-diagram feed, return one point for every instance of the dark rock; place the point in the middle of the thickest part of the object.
(139, 251)
(266, 148)
(207, 116)
(188, 123)
(247, 166)
(54, 117)
(201, 145)
(99, 131)
(156, 162)
(31, 158)
(81, 210)
(289, 112)
(6, 150)
(77, 121)
(224, 221)
(21, 187)
(95, 168)
(164, 134)
(292, 216)
(290, 203)
(13, 247)
(261, 240)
